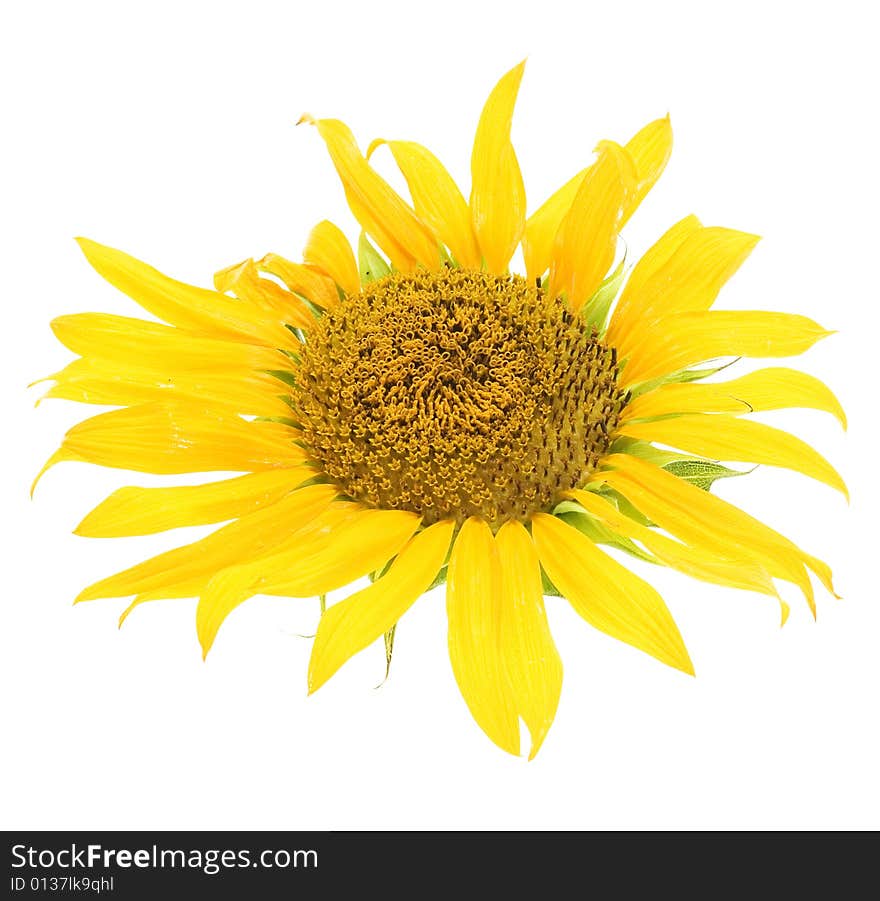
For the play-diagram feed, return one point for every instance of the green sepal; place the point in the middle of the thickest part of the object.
(681, 377)
(292, 354)
(644, 450)
(548, 589)
(283, 375)
(283, 420)
(601, 534)
(440, 578)
(596, 309)
(701, 472)
(371, 264)
(389, 649)
(298, 333)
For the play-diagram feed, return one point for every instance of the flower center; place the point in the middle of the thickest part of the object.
(456, 393)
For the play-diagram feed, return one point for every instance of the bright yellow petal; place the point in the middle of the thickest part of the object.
(689, 282)
(704, 520)
(607, 595)
(541, 227)
(724, 437)
(318, 288)
(142, 511)
(683, 339)
(587, 238)
(136, 342)
(650, 149)
(645, 272)
(774, 388)
(357, 546)
(356, 622)
(198, 309)
(244, 281)
(697, 562)
(533, 664)
(375, 204)
(261, 542)
(239, 541)
(498, 195)
(92, 380)
(474, 611)
(329, 250)
(179, 436)
(437, 199)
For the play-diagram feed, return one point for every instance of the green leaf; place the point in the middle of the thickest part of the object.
(371, 264)
(701, 472)
(596, 309)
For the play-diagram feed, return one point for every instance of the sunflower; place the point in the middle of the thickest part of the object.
(416, 414)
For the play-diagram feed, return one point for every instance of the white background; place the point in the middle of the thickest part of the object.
(168, 130)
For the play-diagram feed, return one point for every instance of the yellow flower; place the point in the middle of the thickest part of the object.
(420, 415)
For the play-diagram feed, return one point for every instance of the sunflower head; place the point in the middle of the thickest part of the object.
(456, 393)
(418, 414)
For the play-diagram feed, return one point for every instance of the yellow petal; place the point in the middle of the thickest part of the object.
(266, 543)
(180, 436)
(724, 437)
(239, 541)
(187, 306)
(689, 282)
(142, 511)
(541, 227)
(437, 199)
(329, 250)
(474, 611)
(627, 308)
(650, 149)
(245, 282)
(93, 380)
(356, 622)
(375, 204)
(683, 339)
(705, 520)
(587, 239)
(498, 195)
(533, 664)
(607, 595)
(357, 546)
(318, 288)
(126, 342)
(774, 388)
(697, 562)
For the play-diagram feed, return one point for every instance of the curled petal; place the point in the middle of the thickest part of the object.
(381, 212)
(328, 249)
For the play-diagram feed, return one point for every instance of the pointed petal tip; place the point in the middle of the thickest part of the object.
(375, 144)
(307, 119)
(784, 610)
